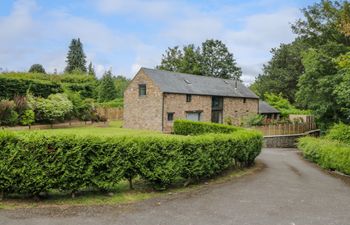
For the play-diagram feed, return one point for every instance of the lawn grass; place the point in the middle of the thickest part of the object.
(121, 194)
(114, 128)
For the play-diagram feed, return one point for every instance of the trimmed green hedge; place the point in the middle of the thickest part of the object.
(329, 154)
(187, 127)
(340, 132)
(32, 162)
(10, 87)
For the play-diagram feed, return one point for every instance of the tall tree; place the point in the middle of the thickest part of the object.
(281, 74)
(217, 61)
(91, 70)
(37, 68)
(76, 59)
(317, 85)
(185, 60)
(107, 89)
(213, 59)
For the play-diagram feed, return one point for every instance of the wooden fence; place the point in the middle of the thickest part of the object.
(111, 113)
(285, 129)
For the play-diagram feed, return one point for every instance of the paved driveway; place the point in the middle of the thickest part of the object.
(288, 191)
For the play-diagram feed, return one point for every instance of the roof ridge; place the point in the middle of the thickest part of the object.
(189, 74)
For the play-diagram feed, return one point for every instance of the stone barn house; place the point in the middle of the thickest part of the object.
(155, 98)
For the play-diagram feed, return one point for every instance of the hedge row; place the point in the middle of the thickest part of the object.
(10, 87)
(340, 132)
(35, 162)
(187, 127)
(329, 154)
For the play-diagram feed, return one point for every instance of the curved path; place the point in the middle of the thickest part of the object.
(289, 191)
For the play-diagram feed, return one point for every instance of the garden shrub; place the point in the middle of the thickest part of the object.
(32, 162)
(340, 132)
(329, 154)
(187, 127)
(8, 115)
(52, 109)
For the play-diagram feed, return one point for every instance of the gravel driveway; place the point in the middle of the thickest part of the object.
(289, 191)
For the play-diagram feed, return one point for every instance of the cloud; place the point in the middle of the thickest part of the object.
(35, 34)
(152, 9)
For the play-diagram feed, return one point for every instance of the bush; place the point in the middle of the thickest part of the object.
(28, 117)
(32, 162)
(8, 115)
(52, 109)
(328, 154)
(254, 120)
(340, 132)
(187, 127)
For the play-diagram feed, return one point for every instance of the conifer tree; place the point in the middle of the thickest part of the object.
(76, 59)
(107, 90)
(91, 70)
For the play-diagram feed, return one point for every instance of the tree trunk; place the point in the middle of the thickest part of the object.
(130, 183)
(73, 194)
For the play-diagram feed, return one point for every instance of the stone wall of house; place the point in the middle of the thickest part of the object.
(143, 112)
(236, 108)
(177, 104)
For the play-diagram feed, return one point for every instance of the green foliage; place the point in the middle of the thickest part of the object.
(342, 90)
(83, 109)
(328, 154)
(32, 162)
(37, 68)
(185, 60)
(212, 59)
(340, 132)
(116, 103)
(121, 83)
(283, 105)
(280, 75)
(11, 86)
(91, 70)
(187, 127)
(8, 115)
(28, 117)
(217, 61)
(107, 90)
(76, 59)
(52, 109)
(317, 85)
(254, 120)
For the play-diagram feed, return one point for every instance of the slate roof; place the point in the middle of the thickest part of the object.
(264, 107)
(172, 82)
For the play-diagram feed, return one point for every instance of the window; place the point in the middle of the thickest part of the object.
(142, 90)
(217, 102)
(170, 116)
(244, 100)
(188, 98)
(194, 116)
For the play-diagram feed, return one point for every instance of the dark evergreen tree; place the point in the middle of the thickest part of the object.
(76, 59)
(37, 68)
(107, 90)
